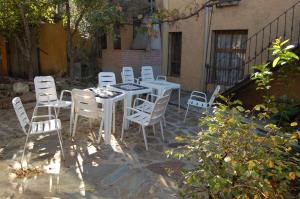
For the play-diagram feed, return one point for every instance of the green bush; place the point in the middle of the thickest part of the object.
(232, 158)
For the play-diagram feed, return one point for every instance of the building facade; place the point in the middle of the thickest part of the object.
(198, 52)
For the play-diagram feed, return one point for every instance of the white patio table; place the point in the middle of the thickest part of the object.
(107, 98)
(161, 85)
(131, 89)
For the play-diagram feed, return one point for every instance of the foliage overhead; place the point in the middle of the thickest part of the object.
(35, 12)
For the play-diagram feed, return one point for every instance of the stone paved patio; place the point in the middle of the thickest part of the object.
(90, 170)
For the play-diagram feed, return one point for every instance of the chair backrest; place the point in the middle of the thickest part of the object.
(159, 109)
(147, 73)
(214, 95)
(106, 79)
(85, 103)
(21, 114)
(127, 75)
(45, 85)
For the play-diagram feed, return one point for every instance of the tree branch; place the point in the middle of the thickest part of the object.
(196, 12)
(83, 11)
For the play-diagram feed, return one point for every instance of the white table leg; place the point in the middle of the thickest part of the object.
(108, 106)
(71, 118)
(179, 100)
(127, 103)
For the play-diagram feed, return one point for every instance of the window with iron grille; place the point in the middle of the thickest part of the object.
(175, 44)
(227, 57)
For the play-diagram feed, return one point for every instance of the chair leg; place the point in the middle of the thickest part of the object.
(60, 142)
(123, 128)
(71, 122)
(100, 131)
(153, 126)
(114, 118)
(24, 148)
(164, 119)
(145, 137)
(58, 111)
(55, 113)
(186, 112)
(75, 123)
(162, 130)
(140, 128)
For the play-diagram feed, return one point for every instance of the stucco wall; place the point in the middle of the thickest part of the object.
(250, 15)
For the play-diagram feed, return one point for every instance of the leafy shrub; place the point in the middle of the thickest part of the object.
(232, 158)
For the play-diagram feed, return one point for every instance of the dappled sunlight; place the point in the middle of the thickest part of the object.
(91, 168)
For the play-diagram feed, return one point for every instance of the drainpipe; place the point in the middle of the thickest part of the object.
(164, 42)
(205, 44)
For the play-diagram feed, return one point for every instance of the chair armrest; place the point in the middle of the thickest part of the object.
(133, 109)
(141, 100)
(161, 77)
(64, 91)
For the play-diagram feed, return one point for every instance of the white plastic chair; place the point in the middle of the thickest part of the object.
(128, 75)
(147, 107)
(46, 95)
(148, 119)
(105, 79)
(33, 127)
(85, 105)
(199, 99)
(148, 76)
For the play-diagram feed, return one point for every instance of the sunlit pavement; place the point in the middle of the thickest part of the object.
(90, 170)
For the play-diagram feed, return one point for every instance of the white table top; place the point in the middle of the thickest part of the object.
(130, 88)
(161, 83)
(105, 94)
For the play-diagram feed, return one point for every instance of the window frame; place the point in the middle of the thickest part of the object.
(229, 66)
(170, 53)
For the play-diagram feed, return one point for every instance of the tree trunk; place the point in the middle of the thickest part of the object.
(27, 46)
(69, 41)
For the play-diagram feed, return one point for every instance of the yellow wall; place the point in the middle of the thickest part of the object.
(3, 59)
(251, 15)
(53, 42)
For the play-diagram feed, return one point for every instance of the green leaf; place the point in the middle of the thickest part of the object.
(293, 124)
(292, 55)
(275, 62)
(240, 108)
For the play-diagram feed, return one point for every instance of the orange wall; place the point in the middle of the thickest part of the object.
(53, 54)
(3, 64)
